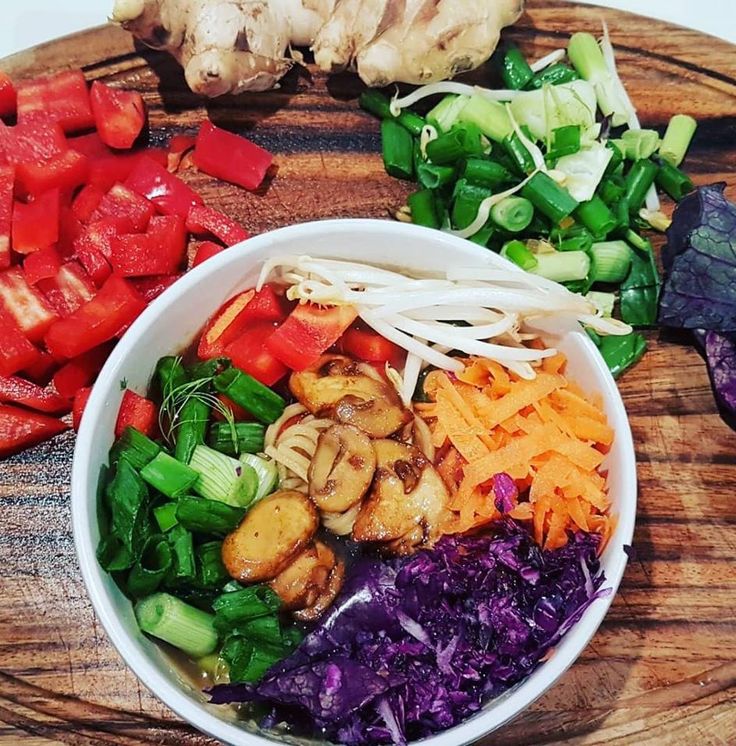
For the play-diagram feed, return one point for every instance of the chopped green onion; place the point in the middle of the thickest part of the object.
(191, 427)
(445, 114)
(248, 437)
(212, 573)
(205, 516)
(376, 103)
(165, 516)
(182, 545)
(677, 138)
(432, 176)
(170, 373)
(611, 191)
(596, 217)
(623, 219)
(267, 472)
(265, 405)
(515, 70)
(151, 568)
(549, 197)
(248, 662)
(512, 214)
(237, 607)
(490, 116)
(621, 352)
(562, 266)
(556, 74)
(640, 177)
(639, 305)
(223, 478)
(398, 150)
(466, 203)
(612, 261)
(604, 302)
(638, 144)
(181, 625)
(137, 448)
(581, 242)
(616, 159)
(674, 181)
(461, 141)
(640, 288)
(519, 254)
(565, 141)
(486, 173)
(423, 208)
(168, 475)
(520, 155)
(208, 368)
(483, 236)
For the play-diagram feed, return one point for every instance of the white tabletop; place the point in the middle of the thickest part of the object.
(29, 22)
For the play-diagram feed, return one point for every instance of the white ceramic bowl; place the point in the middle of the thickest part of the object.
(173, 321)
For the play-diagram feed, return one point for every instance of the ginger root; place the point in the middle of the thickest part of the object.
(231, 46)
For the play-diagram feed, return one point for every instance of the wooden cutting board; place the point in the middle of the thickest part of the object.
(662, 668)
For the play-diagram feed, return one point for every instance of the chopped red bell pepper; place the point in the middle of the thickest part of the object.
(16, 352)
(65, 171)
(308, 332)
(42, 368)
(61, 98)
(28, 308)
(235, 316)
(19, 391)
(29, 143)
(20, 428)
(249, 353)
(151, 287)
(203, 219)
(128, 206)
(7, 178)
(138, 412)
(362, 342)
(119, 115)
(69, 230)
(206, 250)
(69, 289)
(36, 224)
(81, 371)
(87, 201)
(7, 96)
(167, 191)
(92, 247)
(78, 406)
(230, 157)
(158, 251)
(179, 146)
(240, 414)
(114, 307)
(41, 264)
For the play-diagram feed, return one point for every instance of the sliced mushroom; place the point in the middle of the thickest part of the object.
(341, 469)
(331, 589)
(270, 536)
(341, 524)
(351, 392)
(407, 503)
(302, 583)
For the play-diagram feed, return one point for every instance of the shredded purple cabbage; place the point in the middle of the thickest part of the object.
(416, 645)
(505, 492)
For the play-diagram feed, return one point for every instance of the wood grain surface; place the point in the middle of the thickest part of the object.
(662, 668)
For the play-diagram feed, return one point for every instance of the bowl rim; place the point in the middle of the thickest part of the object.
(83, 503)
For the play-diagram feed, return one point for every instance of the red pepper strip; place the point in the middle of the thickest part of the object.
(230, 157)
(16, 352)
(28, 308)
(19, 391)
(138, 412)
(151, 287)
(42, 368)
(119, 115)
(69, 289)
(36, 224)
(203, 219)
(130, 207)
(65, 171)
(41, 264)
(7, 177)
(7, 96)
(114, 307)
(28, 143)
(78, 407)
(365, 344)
(81, 371)
(249, 353)
(92, 247)
(61, 98)
(307, 332)
(158, 251)
(69, 229)
(167, 191)
(179, 145)
(20, 429)
(87, 201)
(206, 250)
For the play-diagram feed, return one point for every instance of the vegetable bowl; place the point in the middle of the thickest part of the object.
(175, 320)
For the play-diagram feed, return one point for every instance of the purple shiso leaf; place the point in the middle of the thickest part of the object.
(720, 352)
(505, 492)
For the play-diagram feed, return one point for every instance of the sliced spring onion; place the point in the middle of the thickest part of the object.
(423, 208)
(211, 572)
(169, 476)
(376, 103)
(208, 516)
(137, 448)
(673, 181)
(490, 116)
(677, 139)
(513, 214)
(182, 546)
(266, 471)
(548, 197)
(248, 437)
(596, 217)
(263, 403)
(223, 478)
(445, 114)
(519, 254)
(604, 302)
(165, 516)
(639, 181)
(151, 568)
(638, 144)
(191, 427)
(397, 148)
(486, 173)
(562, 266)
(556, 74)
(612, 261)
(515, 70)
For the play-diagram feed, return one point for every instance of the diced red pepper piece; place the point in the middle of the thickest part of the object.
(69, 289)
(65, 171)
(166, 190)
(92, 146)
(79, 405)
(179, 146)
(7, 178)
(19, 391)
(206, 250)
(69, 230)
(16, 352)
(158, 251)
(36, 224)
(94, 245)
(249, 353)
(230, 157)
(87, 201)
(7, 96)
(119, 115)
(29, 143)
(138, 412)
(203, 219)
(308, 332)
(114, 307)
(41, 264)
(28, 308)
(361, 342)
(61, 98)
(20, 428)
(239, 413)
(123, 203)
(81, 371)
(151, 287)
(42, 368)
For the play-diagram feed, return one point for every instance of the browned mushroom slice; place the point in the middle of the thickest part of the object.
(351, 392)
(270, 536)
(306, 578)
(341, 524)
(341, 469)
(407, 503)
(334, 584)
